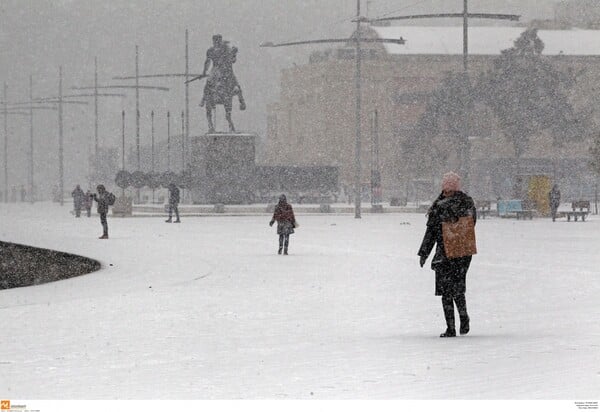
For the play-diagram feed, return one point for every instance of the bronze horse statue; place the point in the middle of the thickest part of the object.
(221, 84)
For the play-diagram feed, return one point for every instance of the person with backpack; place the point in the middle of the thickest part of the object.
(453, 209)
(286, 222)
(104, 200)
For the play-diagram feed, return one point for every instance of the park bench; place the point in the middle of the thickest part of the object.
(575, 214)
(514, 208)
(484, 208)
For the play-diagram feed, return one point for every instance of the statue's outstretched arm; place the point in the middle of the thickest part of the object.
(206, 63)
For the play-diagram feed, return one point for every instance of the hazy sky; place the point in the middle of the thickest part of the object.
(36, 37)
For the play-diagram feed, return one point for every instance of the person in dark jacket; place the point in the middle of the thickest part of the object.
(554, 200)
(102, 198)
(286, 222)
(173, 203)
(450, 274)
(78, 199)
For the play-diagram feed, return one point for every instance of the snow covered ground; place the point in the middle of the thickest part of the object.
(208, 310)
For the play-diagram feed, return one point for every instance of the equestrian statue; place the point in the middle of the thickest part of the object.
(221, 84)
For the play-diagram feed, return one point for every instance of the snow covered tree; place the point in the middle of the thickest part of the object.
(529, 95)
(441, 130)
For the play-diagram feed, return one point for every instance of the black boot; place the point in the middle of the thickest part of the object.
(450, 333)
(279, 251)
(461, 305)
(448, 306)
(285, 251)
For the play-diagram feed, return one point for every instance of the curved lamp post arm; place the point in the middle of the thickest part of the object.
(347, 40)
(494, 16)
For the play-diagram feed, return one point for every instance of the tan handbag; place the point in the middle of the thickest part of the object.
(459, 237)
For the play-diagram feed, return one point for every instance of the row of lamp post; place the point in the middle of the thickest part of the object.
(26, 108)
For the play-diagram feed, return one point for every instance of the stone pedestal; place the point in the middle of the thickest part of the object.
(223, 168)
(123, 206)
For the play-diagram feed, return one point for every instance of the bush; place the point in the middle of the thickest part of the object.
(123, 179)
(138, 179)
(153, 180)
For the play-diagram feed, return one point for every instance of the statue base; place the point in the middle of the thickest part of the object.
(223, 168)
(123, 207)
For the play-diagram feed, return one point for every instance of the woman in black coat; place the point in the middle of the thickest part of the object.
(286, 222)
(450, 274)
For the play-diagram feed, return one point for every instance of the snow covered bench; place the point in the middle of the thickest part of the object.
(575, 214)
(484, 208)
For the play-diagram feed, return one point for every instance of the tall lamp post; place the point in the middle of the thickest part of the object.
(465, 16)
(357, 40)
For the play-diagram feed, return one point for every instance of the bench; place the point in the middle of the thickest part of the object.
(575, 214)
(484, 208)
(514, 208)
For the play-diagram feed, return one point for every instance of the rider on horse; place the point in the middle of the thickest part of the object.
(222, 58)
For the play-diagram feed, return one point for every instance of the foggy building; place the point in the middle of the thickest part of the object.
(313, 123)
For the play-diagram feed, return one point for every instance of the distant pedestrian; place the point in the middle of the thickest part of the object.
(87, 202)
(451, 207)
(23, 193)
(104, 200)
(173, 203)
(554, 199)
(286, 222)
(78, 199)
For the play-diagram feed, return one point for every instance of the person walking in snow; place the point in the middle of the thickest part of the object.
(286, 222)
(104, 200)
(173, 203)
(450, 273)
(554, 200)
(78, 199)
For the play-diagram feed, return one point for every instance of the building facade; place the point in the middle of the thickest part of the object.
(313, 123)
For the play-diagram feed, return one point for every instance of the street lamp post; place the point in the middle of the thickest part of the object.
(358, 120)
(168, 141)
(357, 40)
(152, 149)
(5, 141)
(123, 140)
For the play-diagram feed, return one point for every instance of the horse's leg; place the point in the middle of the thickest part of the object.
(211, 127)
(228, 116)
(241, 98)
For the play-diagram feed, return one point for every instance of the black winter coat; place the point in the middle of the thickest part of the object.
(102, 200)
(78, 198)
(450, 273)
(174, 196)
(284, 215)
